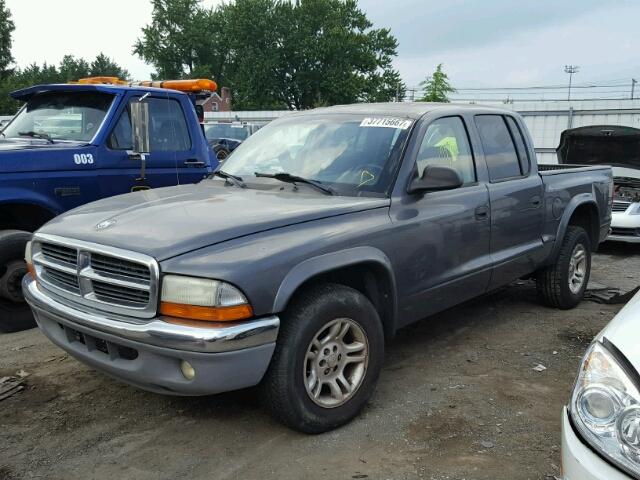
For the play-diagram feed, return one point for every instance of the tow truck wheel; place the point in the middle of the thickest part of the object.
(15, 314)
(327, 359)
(562, 285)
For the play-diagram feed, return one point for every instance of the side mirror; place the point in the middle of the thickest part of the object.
(436, 178)
(140, 127)
(140, 133)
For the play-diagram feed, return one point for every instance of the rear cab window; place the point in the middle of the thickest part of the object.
(504, 147)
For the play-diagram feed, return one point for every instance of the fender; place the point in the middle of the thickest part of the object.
(13, 195)
(333, 261)
(577, 201)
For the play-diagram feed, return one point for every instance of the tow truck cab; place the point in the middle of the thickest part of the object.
(72, 144)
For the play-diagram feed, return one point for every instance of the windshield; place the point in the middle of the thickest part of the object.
(353, 154)
(61, 116)
(221, 130)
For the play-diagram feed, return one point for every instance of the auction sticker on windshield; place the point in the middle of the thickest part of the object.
(386, 122)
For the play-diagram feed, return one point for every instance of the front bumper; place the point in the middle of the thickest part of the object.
(148, 354)
(623, 238)
(579, 462)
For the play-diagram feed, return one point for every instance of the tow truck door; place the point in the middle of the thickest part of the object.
(173, 159)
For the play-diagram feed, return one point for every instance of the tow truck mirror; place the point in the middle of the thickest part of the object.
(140, 127)
(435, 178)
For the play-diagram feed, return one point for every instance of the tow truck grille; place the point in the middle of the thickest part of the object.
(620, 206)
(99, 277)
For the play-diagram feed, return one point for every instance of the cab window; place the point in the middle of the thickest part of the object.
(168, 127)
(446, 144)
(499, 150)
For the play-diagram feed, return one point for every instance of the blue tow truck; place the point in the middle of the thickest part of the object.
(71, 144)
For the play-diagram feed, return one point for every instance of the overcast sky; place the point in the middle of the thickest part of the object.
(482, 42)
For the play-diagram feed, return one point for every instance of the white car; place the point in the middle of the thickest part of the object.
(625, 218)
(601, 424)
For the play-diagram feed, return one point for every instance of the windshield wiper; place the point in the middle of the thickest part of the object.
(288, 178)
(33, 134)
(227, 176)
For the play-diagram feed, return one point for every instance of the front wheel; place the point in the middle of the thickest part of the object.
(327, 359)
(562, 285)
(15, 314)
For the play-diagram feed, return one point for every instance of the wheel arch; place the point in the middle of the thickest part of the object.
(582, 211)
(365, 269)
(23, 215)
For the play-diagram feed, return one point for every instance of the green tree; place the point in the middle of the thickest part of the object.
(6, 29)
(437, 87)
(104, 66)
(72, 68)
(275, 53)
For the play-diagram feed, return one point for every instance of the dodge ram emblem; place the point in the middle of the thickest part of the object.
(105, 224)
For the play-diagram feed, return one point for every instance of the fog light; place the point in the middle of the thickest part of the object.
(187, 370)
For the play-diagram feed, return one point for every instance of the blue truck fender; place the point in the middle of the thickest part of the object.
(326, 263)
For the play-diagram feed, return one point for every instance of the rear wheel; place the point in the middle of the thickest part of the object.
(562, 285)
(327, 359)
(15, 314)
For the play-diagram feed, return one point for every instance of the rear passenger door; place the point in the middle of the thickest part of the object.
(171, 149)
(516, 196)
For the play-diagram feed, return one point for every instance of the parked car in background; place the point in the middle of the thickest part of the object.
(325, 233)
(601, 424)
(618, 147)
(72, 144)
(225, 137)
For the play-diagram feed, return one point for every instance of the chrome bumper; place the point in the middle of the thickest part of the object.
(157, 331)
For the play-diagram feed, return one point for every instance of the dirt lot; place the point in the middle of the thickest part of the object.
(458, 399)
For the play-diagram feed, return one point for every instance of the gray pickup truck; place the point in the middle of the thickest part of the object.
(327, 231)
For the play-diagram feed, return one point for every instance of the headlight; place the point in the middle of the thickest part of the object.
(28, 260)
(605, 408)
(202, 299)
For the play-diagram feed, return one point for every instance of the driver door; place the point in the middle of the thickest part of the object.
(171, 148)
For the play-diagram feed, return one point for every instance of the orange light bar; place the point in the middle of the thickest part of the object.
(102, 80)
(196, 85)
(207, 314)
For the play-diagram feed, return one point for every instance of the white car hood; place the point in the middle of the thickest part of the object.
(624, 331)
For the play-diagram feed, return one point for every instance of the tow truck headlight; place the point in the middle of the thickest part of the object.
(605, 408)
(202, 299)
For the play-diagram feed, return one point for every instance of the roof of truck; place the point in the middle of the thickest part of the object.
(413, 110)
(25, 94)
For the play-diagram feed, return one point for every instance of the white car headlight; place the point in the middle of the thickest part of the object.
(202, 299)
(605, 408)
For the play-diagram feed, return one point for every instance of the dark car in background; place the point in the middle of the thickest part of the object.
(225, 137)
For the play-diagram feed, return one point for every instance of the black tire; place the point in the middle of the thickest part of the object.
(14, 316)
(553, 281)
(284, 384)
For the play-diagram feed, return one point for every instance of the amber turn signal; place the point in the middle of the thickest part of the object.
(207, 314)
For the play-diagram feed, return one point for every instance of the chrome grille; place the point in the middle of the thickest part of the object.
(100, 277)
(620, 206)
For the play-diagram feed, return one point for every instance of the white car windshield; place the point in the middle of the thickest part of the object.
(352, 154)
(61, 116)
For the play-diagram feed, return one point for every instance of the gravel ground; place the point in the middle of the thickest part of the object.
(458, 399)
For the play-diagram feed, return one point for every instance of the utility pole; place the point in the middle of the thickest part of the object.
(571, 69)
(633, 86)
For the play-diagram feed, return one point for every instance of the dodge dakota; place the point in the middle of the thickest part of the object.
(324, 233)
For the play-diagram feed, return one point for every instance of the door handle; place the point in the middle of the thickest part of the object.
(192, 162)
(482, 213)
(536, 201)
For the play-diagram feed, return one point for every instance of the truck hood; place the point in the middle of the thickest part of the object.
(171, 221)
(601, 145)
(26, 155)
(623, 331)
